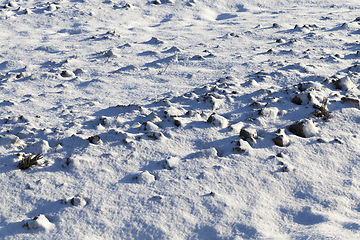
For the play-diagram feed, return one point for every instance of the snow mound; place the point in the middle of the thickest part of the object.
(38, 147)
(243, 146)
(11, 142)
(281, 138)
(129, 68)
(173, 50)
(149, 126)
(270, 112)
(52, 7)
(111, 121)
(145, 178)
(154, 41)
(304, 128)
(197, 58)
(77, 163)
(218, 120)
(40, 222)
(248, 132)
(345, 83)
(237, 127)
(10, 65)
(67, 74)
(79, 71)
(208, 153)
(171, 162)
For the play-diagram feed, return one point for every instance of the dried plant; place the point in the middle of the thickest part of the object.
(29, 161)
(322, 111)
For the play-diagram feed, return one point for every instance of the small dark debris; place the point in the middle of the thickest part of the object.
(64, 73)
(155, 135)
(239, 149)
(211, 118)
(68, 161)
(234, 35)
(177, 123)
(286, 169)
(255, 104)
(297, 100)
(157, 197)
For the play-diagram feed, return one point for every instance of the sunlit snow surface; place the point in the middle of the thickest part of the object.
(180, 119)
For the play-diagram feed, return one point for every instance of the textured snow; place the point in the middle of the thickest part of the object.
(171, 119)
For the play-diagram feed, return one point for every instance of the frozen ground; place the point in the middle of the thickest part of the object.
(184, 119)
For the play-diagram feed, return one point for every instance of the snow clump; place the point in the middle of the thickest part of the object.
(218, 120)
(39, 222)
(208, 153)
(145, 178)
(304, 128)
(38, 147)
(10, 141)
(171, 162)
(78, 201)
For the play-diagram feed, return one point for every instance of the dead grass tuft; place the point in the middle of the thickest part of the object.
(29, 161)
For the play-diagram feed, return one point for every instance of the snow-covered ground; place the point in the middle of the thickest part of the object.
(180, 119)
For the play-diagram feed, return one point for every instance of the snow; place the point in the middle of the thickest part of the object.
(145, 178)
(40, 222)
(171, 162)
(186, 119)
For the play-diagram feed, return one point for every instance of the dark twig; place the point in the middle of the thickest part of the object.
(322, 112)
(163, 70)
(57, 144)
